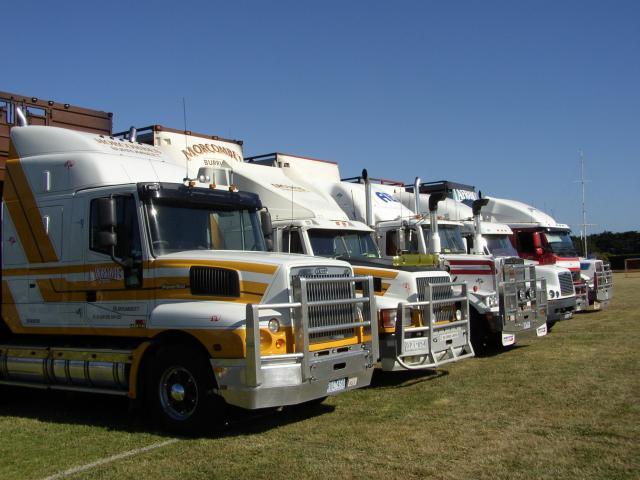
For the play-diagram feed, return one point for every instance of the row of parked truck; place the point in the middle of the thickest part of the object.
(164, 266)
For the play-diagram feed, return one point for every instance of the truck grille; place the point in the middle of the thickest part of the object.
(445, 311)
(566, 283)
(327, 315)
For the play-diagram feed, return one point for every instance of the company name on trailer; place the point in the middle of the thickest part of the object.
(204, 148)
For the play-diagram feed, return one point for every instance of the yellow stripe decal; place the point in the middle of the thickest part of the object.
(243, 266)
(25, 198)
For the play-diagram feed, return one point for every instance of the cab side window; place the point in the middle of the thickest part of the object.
(291, 242)
(391, 243)
(127, 229)
(525, 240)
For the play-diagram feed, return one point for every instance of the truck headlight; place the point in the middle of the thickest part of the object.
(458, 315)
(492, 301)
(551, 294)
(531, 294)
(521, 295)
(557, 294)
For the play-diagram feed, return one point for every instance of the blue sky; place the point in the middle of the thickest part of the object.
(501, 95)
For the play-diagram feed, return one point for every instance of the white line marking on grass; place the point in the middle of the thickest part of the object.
(113, 458)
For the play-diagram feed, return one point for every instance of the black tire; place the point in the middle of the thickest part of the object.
(483, 340)
(180, 392)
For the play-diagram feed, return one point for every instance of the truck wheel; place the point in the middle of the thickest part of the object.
(180, 392)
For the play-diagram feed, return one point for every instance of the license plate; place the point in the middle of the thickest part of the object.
(567, 316)
(449, 335)
(416, 346)
(337, 385)
(596, 306)
(526, 325)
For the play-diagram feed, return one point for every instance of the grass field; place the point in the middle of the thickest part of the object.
(564, 406)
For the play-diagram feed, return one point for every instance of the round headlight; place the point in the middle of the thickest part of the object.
(530, 294)
(521, 295)
(551, 294)
(274, 325)
(458, 315)
(557, 294)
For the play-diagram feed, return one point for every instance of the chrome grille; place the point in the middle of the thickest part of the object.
(566, 283)
(328, 315)
(445, 311)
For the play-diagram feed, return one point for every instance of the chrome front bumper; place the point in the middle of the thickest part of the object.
(561, 309)
(274, 380)
(282, 380)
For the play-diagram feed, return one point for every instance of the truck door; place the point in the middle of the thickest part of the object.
(115, 293)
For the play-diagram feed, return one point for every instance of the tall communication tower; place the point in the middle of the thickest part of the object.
(583, 231)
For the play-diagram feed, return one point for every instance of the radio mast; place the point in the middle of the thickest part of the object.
(583, 232)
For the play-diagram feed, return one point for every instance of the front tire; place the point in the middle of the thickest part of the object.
(180, 391)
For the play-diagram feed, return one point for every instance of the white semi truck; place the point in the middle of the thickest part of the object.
(494, 238)
(538, 237)
(433, 325)
(507, 301)
(121, 277)
(399, 231)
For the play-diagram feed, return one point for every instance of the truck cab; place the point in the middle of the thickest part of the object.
(538, 237)
(495, 239)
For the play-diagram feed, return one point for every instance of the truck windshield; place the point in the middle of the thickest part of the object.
(450, 238)
(500, 246)
(176, 227)
(560, 243)
(348, 243)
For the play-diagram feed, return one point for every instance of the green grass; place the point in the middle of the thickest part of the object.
(564, 406)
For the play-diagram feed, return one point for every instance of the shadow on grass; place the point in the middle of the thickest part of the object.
(116, 413)
(404, 378)
(492, 350)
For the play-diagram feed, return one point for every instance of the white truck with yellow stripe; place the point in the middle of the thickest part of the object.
(434, 329)
(120, 277)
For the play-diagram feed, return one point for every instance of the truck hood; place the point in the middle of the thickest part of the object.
(257, 258)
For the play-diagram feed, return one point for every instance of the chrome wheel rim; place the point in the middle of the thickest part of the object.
(178, 393)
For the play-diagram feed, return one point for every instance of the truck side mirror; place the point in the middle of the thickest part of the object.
(265, 221)
(401, 240)
(107, 221)
(106, 213)
(106, 239)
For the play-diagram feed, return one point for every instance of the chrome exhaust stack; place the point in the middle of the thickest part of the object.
(416, 196)
(477, 225)
(21, 117)
(133, 134)
(368, 200)
(434, 199)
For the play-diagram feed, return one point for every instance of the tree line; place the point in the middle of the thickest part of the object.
(612, 247)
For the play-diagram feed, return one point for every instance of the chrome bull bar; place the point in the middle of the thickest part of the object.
(301, 330)
(434, 341)
(604, 278)
(523, 297)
